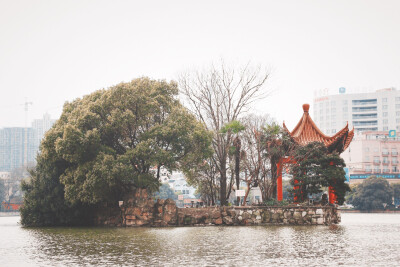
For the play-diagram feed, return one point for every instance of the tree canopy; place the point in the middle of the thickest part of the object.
(371, 194)
(109, 142)
(315, 169)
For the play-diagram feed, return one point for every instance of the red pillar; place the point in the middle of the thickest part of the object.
(279, 190)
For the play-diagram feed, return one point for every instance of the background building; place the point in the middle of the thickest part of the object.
(374, 111)
(14, 152)
(19, 145)
(40, 127)
(373, 153)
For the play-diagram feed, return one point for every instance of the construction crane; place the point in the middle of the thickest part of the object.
(26, 108)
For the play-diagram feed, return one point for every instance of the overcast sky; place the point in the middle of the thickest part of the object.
(55, 51)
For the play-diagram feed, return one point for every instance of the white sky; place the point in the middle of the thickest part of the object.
(55, 51)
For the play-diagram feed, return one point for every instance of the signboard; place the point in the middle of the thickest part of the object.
(378, 175)
(342, 90)
(392, 133)
(120, 203)
(240, 193)
(180, 197)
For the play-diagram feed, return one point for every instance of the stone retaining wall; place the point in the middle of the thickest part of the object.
(143, 211)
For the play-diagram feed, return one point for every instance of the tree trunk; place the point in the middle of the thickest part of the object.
(222, 196)
(274, 177)
(237, 164)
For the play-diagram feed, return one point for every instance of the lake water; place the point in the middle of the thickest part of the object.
(360, 240)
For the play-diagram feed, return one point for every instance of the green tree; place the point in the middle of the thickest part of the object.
(277, 144)
(315, 169)
(396, 193)
(235, 127)
(372, 194)
(108, 143)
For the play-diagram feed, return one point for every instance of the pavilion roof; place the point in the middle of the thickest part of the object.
(306, 131)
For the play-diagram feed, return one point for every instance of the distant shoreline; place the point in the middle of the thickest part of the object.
(9, 214)
(369, 211)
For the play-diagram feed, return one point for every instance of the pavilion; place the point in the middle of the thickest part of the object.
(305, 132)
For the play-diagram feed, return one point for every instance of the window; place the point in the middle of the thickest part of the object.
(385, 151)
(385, 121)
(333, 103)
(395, 169)
(384, 114)
(366, 158)
(333, 117)
(397, 106)
(397, 113)
(327, 110)
(366, 149)
(385, 128)
(384, 100)
(394, 151)
(345, 102)
(385, 160)
(333, 130)
(333, 110)
(386, 170)
(345, 109)
(321, 105)
(327, 118)
(394, 161)
(377, 169)
(376, 149)
(377, 159)
(397, 120)
(397, 98)
(368, 168)
(385, 107)
(333, 124)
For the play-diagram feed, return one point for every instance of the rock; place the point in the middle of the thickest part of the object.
(275, 217)
(257, 213)
(246, 215)
(227, 220)
(218, 221)
(249, 211)
(297, 215)
(215, 214)
(240, 218)
(304, 213)
(240, 212)
(266, 216)
(320, 221)
(258, 217)
(319, 211)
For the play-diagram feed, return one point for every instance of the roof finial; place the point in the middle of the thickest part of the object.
(306, 107)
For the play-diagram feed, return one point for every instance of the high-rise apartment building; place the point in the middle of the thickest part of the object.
(40, 127)
(19, 145)
(374, 111)
(17, 148)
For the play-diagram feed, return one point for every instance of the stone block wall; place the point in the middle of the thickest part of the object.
(140, 210)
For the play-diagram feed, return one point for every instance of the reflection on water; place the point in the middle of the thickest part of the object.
(361, 239)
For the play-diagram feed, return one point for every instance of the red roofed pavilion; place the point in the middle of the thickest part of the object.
(305, 132)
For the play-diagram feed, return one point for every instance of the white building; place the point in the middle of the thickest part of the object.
(374, 111)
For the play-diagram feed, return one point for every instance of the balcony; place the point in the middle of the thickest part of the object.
(385, 162)
(394, 153)
(377, 162)
(385, 153)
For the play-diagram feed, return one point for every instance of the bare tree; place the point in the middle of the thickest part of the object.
(257, 167)
(219, 95)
